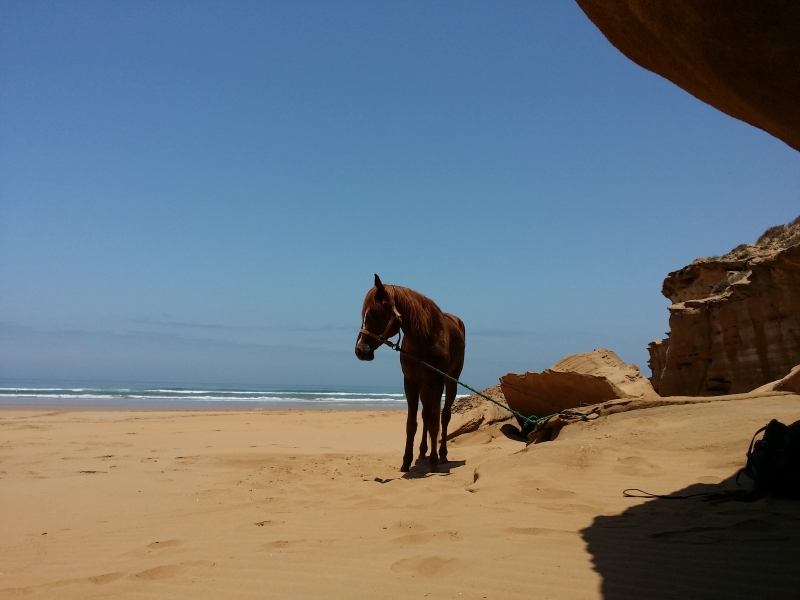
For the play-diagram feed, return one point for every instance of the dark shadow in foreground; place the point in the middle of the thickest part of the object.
(699, 549)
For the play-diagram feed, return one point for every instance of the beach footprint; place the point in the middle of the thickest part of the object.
(277, 544)
(428, 566)
(153, 547)
(169, 571)
(106, 578)
(636, 466)
(413, 539)
(158, 573)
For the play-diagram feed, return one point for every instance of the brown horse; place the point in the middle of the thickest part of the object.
(429, 334)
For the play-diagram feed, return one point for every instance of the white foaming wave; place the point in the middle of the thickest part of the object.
(166, 396)
(289, 393)
(87, 396)
(348, 393)
(38, 391)
(282, 399)
(13, 389)
(182, 391)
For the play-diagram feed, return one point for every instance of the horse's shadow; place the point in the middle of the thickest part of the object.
(422, 468)
(698, 549)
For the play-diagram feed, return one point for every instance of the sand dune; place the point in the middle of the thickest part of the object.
(293, 504)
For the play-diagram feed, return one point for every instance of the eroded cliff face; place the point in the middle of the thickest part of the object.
(740, 57)
(735, 319)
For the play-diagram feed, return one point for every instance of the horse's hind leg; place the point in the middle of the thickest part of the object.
(432, 401)
(412, 397)
(449, 396)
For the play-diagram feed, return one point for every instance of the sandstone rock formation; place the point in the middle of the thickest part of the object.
(658, 359)
(735, 319)
(742, 58)
(577, 380)
(790, 383)
(472, 412)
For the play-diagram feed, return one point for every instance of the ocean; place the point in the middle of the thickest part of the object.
(168, 396)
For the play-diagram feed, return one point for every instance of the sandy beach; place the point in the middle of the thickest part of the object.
(306, 504)
(237, 238)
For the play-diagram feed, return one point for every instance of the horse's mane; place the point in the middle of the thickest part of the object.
(421, 315)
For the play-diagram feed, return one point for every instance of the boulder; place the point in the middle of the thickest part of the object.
(577, 380)
(790, 383)
(604, 363)
(734, 319)
(740, 57)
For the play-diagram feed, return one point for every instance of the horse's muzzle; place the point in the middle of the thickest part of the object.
(364, 352)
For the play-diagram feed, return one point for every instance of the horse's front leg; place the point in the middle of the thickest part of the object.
(450, 395)
(412, 397)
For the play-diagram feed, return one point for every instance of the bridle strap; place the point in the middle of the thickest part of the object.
(396, 316)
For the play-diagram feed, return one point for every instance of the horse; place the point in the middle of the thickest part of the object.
(428, 334)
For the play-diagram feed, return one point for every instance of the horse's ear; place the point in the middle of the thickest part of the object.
(381, 291)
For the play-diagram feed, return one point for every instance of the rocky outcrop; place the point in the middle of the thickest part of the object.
(740, 57)
(735, 319)
(658, 359)
(472, 412)
(790, 383)
(577, 380)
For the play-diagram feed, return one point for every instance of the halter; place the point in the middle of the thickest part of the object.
(382, 338)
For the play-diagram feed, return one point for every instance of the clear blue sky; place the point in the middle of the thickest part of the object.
(200, 192)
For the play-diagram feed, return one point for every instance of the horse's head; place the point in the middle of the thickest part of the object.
(379, 321)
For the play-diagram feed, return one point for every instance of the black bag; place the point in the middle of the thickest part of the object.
(773, 462)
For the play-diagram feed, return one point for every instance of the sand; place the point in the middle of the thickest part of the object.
(310, 504)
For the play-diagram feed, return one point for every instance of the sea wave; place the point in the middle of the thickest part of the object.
(165, 396)
(206, 398)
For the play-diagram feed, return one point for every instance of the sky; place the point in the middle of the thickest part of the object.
(200, 192)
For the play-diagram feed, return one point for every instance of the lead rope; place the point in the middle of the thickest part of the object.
(532, 423)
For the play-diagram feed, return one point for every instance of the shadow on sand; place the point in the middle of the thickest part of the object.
(421, 469)
(698, 549)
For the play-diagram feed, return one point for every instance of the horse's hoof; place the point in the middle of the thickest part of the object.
(404, 469)
(434, 468)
